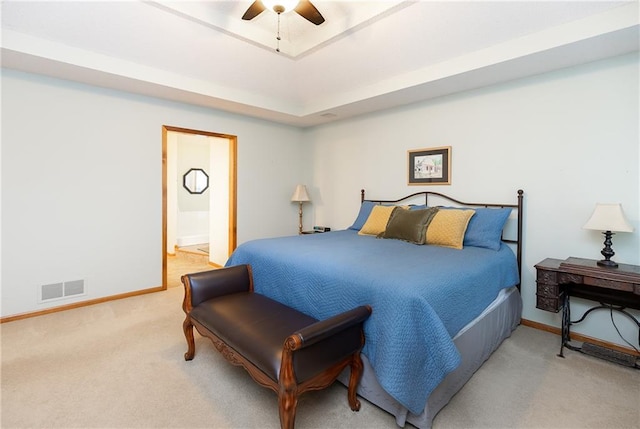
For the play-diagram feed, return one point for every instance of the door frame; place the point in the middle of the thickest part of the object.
(233, 155)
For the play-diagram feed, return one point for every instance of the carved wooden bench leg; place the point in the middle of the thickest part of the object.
(187, 326)
(288, 403)
(356, 372)
(287, 389)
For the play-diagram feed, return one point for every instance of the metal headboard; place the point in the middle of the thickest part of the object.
(518, 206)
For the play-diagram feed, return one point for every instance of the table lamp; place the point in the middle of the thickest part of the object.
(300, 196)
(608, 218)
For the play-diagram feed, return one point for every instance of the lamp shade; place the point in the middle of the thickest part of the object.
(608, 217)
(300, 194)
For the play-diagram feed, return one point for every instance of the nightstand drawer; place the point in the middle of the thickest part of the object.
(564, 278)
(549, 290)
(609, 284)
(549, 303)
(549, 277)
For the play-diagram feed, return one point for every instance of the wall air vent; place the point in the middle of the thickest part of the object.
(54, 291)
(51, 291)
(74, 287)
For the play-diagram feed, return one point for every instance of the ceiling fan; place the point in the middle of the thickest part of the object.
(304, 8)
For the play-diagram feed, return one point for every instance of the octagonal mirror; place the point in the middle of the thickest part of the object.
(195, 181)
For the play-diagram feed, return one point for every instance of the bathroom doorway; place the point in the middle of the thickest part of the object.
(198, 197)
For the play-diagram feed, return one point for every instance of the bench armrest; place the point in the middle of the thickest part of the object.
(324, 329)
(203, 286)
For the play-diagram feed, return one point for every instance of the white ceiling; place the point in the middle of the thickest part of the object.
(368, 55)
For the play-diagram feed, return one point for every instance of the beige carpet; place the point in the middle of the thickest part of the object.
(120, 365)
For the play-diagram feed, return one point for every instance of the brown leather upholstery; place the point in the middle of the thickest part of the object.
(253, 325)
(210, 284)
(282, 348)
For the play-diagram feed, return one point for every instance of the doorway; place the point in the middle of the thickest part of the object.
(220, 169)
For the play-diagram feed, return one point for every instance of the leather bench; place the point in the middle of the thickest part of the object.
(281, 348)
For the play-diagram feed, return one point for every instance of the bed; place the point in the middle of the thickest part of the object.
(442, 277)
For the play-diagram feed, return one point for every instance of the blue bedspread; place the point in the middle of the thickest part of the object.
(421, 296)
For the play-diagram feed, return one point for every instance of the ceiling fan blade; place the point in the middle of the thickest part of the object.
(309, 12)
(254, 10)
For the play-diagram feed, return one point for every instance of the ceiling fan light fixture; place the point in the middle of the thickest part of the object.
(280, 6)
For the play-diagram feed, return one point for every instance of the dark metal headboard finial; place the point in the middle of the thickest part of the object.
(519, 206)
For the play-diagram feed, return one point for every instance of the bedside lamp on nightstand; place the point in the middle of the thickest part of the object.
(300, 196)
(608, 218)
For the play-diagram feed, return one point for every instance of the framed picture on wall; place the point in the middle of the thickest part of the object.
(430, 166)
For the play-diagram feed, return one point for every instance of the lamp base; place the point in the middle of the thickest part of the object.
(607, 263)
(607, 252)
(300, 215)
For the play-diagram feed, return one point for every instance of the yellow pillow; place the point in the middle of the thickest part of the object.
(448, 227)
(377, 220)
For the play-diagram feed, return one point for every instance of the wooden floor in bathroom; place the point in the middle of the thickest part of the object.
(189, 259)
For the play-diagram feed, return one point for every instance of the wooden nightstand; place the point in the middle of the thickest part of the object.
(558, 280)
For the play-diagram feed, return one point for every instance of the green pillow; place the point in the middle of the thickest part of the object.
(409, 225)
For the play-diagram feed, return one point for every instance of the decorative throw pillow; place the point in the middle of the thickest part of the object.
(409, 225)
(377, 220)
(448, 227)
(485, 228)
(363, 215)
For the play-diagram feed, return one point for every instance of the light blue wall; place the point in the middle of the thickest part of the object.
(81, 170)
(82, 185)
(569, 139)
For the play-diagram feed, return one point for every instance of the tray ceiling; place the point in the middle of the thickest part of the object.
(367, 56)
